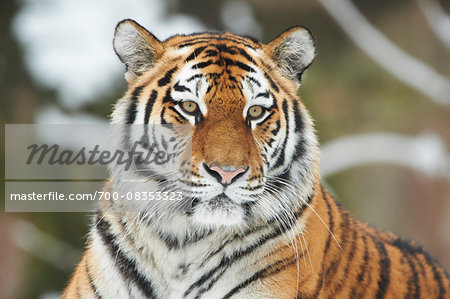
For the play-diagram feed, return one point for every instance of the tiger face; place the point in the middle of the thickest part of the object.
(252, 150)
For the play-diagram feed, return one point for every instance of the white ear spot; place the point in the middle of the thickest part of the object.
(124, 40)
(135, 46)
(293, 51)
(300, 49)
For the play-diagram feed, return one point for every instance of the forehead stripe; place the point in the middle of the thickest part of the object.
(167, 77)
(194, 77)
(168, 97)
(254, 81)
(240, 65)
(202, 65)
(211, 53)
(227, 61)
(206, 39)
(272, 83)
(245, 54)
(195, 53)
(181, 88)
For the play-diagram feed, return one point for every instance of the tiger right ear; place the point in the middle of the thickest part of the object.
(136, 47)
(293, 51)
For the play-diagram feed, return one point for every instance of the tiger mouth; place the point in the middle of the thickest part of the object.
(219, 201)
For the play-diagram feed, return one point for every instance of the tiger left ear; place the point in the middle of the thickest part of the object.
(136, 47)
(293, 51)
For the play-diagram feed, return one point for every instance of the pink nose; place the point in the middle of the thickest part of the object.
(226, 177)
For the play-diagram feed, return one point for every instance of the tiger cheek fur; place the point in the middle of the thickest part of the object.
(256, 221)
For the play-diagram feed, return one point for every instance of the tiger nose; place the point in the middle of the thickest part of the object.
(225, 176)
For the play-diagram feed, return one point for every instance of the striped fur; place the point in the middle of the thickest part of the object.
(274, 231)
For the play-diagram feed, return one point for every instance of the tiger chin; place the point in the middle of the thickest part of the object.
(255, 220)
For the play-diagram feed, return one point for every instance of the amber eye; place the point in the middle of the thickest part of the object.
(189, 107)
(255, 112)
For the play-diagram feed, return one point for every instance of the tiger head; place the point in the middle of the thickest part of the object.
(253, 155)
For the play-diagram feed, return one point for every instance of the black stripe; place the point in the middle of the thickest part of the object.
(283, 177)
(438, 279)
(319, 284)
(239, 64)
(385, 264)
(318, 287)
(240, 253)
(413, 281)
(132, 108)
(206, 39)
(280, 160)
(161, 116)
(225, 49)
(244, 54)
(272, 83)
(221, 247)
(125, 265)
(195, 53)
(203, 64)
(173, 242)
(181, 88)
(269, 270)
(91, 282)
(178, 113)
(211, 53)
(167, 77)
(300, 148)
(149, 105)
(299, 125)
(406, 246)
(263, 94)
(262, 121)
(363, 268)
(168, 97)
(277, 128)
(194, 77)
(254, 81)
(350, 258)
(331, 221)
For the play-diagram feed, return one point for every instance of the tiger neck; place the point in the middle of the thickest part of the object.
(124, 221)
(181, 263)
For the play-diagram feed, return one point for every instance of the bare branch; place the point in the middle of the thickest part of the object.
(406, 68)
(438, 20)
(425, 153)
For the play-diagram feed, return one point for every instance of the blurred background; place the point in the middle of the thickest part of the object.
(379, 91)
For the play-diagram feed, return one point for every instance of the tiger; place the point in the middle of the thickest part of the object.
(255, 220)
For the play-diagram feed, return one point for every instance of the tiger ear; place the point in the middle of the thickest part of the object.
(136, 47)
(293, 51)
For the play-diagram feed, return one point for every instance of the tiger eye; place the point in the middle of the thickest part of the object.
(189, 106)
(255, 111)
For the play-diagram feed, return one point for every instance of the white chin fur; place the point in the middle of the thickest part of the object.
(217, 213)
